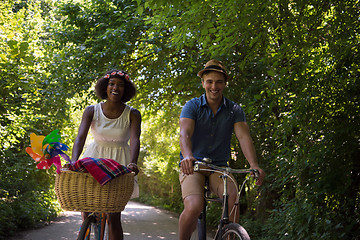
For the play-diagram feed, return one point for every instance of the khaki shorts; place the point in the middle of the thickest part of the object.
(194, 184)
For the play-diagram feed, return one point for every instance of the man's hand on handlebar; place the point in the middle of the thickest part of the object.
(261, 175)
(187, 166)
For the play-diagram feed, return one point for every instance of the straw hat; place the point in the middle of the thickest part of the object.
(214, 65)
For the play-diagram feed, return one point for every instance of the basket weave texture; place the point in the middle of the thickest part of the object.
(78, 191)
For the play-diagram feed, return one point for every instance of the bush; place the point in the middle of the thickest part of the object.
(27, 194)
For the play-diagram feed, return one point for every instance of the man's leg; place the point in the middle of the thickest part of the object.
(193, 205)
(192, 188)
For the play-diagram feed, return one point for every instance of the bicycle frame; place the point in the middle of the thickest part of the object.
(225, 171)
(225, 214)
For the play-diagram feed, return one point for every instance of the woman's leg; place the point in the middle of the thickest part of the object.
(84, 215)
(115, 228)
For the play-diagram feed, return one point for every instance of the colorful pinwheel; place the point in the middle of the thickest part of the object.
(47, 150)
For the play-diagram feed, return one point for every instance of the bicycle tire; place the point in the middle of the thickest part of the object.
(234, 231)
(201, 227)
(86, 228)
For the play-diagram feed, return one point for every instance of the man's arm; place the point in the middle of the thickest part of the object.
(187, 126)
(242, 133)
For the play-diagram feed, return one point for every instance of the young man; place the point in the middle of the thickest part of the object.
(206, 127)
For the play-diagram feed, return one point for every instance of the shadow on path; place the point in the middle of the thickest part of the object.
(139, 222)
(145, 222)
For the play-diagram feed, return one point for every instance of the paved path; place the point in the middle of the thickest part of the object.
(139, 222)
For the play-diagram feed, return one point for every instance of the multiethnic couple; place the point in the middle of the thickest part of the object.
(206, 127)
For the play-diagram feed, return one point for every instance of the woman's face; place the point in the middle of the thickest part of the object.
(115, 89)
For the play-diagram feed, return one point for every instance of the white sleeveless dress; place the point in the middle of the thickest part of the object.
(111, 139)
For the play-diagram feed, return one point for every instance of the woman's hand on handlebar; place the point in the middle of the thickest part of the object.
(66, 166)
(133, 167)
(187, 166)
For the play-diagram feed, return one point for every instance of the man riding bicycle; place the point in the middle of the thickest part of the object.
(206, 127)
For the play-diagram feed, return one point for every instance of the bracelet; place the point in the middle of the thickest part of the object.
(132, 164)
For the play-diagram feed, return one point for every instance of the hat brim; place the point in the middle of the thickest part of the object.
(200, 73)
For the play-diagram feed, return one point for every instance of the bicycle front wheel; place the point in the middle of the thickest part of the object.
(234, 231)
(85, 230)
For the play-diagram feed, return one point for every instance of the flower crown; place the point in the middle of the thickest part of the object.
(120, 73)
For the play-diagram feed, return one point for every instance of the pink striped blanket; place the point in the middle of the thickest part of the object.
(103, 170)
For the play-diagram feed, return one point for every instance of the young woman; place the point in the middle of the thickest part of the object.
(113, 124)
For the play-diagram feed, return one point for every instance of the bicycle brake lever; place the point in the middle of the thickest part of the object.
(256, 173)
(196, 167)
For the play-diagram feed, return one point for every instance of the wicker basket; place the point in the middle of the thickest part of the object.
(81, 192)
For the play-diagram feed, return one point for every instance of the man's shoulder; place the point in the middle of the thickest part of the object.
(196, 101)
(235, 110)
(191, 108)
(231, 103)
(233, 106)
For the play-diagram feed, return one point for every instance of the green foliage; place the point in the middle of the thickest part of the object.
(26, 211)
(159, 171)
(30, 102)
(294, 67)
(24, 205)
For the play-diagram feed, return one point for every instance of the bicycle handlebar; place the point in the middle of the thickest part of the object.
(207, 163)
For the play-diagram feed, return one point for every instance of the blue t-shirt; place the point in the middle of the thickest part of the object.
(212, 134)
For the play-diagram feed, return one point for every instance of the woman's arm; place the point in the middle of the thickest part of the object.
(82, 132)
(135, 132)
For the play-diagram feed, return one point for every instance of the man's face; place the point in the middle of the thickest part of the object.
(214, 84)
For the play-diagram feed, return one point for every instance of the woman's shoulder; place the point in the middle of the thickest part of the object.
(134, 113)
(89, 110)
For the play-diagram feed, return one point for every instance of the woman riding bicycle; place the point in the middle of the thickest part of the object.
(206, 127)
(113, 124)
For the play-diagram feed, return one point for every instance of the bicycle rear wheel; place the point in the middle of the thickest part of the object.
(234, 231)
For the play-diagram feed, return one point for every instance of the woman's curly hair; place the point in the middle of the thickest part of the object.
(102, 83)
